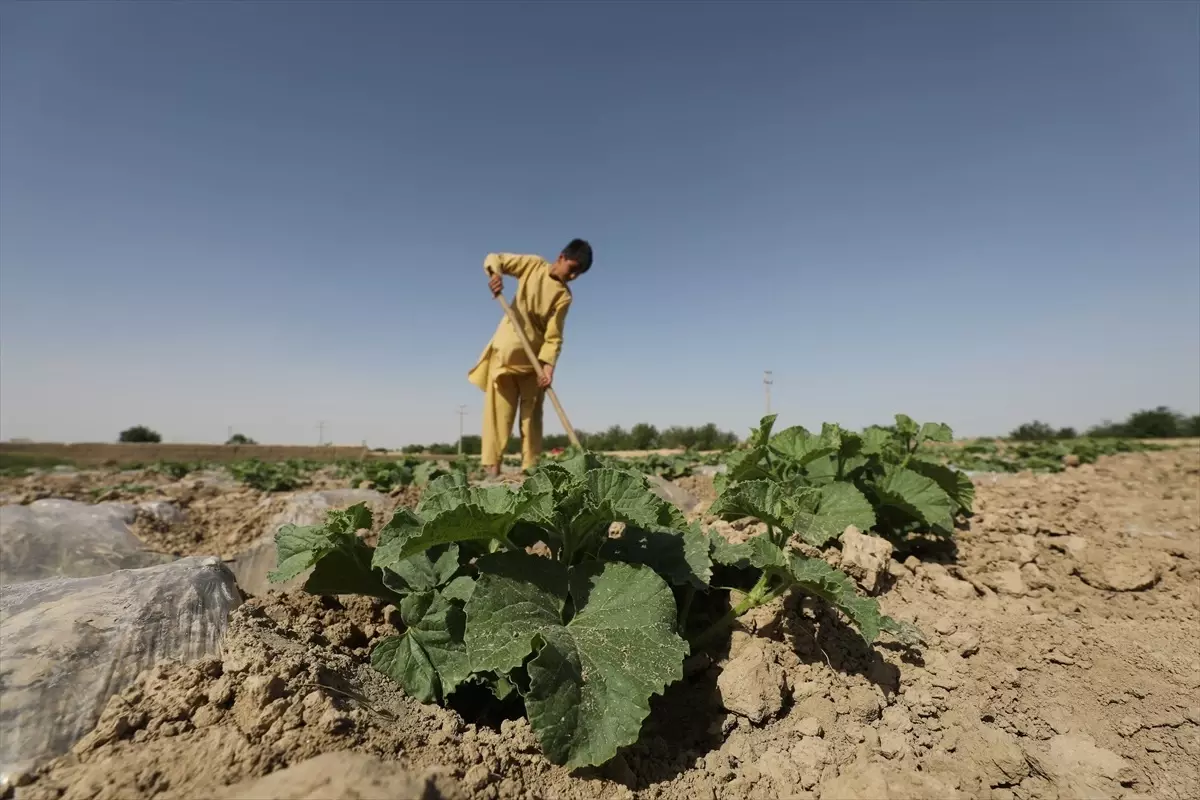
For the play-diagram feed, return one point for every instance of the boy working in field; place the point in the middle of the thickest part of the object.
(504, 373)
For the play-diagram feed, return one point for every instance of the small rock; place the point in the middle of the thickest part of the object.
(891, 744)
(335, 721)
(752, 685)
(819, 707)
(864, 703)
(865, 557)
(944, 627)
(1070, 460)
(809, 726)
(207, 715)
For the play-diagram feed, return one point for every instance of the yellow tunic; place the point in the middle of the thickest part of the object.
(541, 302)
(504, 372)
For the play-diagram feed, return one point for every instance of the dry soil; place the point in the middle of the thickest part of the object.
(1062, 663)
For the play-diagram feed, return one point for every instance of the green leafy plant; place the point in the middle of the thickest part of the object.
(283, 476)
(667, 467)
(984, 455)
(175, 470)
(818, 484)
(586, 627)
(387, 475)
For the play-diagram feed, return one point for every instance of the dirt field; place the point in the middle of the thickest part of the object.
(1063, 662)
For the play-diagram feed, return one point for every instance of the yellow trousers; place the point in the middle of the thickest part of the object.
(501, 400)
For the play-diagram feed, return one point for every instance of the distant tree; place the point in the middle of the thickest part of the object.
(1066, 433)
(1159, 423)
(472, 445)
(442, 449)
(240, 438)
(139, 433)
(409, 449)
(1107, 430)
(559, 441)
(1156, 423)
(643, 436)
(1032, 432)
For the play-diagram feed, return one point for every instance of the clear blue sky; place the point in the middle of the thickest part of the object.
(265, 214)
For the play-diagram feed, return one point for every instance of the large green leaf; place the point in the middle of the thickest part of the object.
(821, 471)
(813, 576)
(905, 426)
(581, 463)
(728, 554)
(622, 496)
(742, 465)
(680, 555)
(341, 562)
(762, 434)
(757, 551)
(443, 493)
(764, 500)
(826, 512)
(953, 482)
(876, 441)
(800, 447)
(918, 496)
(935, 432)
(591, 680)
(430, 659)
(421, 573)
(462, 523)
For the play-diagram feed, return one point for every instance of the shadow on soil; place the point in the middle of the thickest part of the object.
(688, 722)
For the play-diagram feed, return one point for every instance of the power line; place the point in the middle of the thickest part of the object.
(321, 426)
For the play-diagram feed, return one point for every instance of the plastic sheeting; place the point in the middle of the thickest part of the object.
(69, 644)
(62, 538)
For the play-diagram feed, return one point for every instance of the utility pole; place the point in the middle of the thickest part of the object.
(462, 413)
(767, 381)
(321, 425)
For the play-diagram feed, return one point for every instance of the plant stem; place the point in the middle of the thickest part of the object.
(684, 608)
(757, 596)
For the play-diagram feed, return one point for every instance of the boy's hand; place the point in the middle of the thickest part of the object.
(547, 376)
(496, 284)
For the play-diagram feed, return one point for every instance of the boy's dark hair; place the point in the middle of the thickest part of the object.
(580, 252)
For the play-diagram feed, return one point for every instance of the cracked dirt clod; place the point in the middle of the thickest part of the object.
(1122, 572)
(865, 557)
(752, 684)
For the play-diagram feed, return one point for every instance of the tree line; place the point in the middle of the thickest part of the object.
(642, 436)
(1151, 423)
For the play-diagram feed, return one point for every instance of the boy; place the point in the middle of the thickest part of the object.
(504, 373)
